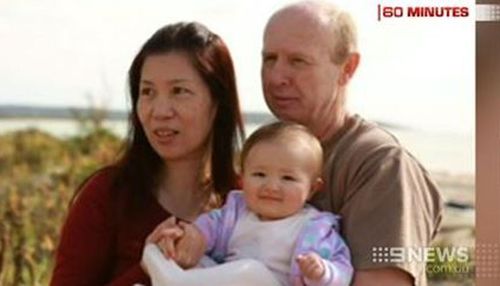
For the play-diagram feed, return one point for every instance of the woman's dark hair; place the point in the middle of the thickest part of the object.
(139, 167)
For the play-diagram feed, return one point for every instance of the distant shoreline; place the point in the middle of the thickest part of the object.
(36, 112)
(13, 111)
(451, 153)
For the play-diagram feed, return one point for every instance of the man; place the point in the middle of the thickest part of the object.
(383, 195)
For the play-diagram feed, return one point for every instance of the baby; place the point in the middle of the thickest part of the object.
(269, 219)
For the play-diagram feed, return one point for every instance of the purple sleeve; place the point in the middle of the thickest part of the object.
(210, 225)
(217, 225)
(339, 269)
(320, 236)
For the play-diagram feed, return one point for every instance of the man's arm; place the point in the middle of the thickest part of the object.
(384, 277)
(392, 203)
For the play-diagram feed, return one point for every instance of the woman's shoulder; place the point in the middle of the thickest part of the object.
(98, 186)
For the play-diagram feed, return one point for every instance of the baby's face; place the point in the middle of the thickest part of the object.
(278, 178)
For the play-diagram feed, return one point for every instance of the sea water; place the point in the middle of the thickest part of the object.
(439, 151)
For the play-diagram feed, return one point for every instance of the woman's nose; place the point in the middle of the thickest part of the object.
(163, 108)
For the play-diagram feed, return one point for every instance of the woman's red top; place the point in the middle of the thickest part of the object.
(97, 249)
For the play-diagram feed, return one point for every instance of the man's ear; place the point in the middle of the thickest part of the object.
(348, 68)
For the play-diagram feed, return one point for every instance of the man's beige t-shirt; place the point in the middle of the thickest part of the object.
(384, 196)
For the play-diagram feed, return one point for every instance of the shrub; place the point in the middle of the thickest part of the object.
(38, 176)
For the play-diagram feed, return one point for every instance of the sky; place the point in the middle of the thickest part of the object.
(417, 73)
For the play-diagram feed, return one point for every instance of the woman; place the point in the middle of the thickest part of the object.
(185, 129)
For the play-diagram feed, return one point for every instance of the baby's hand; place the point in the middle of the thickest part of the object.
(190, 247)
(311, 266)
(165, 236)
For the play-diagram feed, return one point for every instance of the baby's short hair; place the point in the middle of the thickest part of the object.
(289, 132)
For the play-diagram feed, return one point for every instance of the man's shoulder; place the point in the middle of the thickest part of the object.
(365, 134)
(364, 149)
(364, 138)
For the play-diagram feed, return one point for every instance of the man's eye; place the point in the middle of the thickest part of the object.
(268, 59)
(298, 61)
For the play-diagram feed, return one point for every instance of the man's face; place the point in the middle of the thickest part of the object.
(299, 78)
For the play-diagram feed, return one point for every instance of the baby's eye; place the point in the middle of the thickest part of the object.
(258, 174)
(289, 178)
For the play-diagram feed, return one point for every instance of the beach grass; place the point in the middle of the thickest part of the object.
(39, 174)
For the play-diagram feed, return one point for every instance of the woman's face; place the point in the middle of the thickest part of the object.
(175, 107)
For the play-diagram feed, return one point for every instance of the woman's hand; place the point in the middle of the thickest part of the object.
(181, 241)
(165, 235)
(190, 247)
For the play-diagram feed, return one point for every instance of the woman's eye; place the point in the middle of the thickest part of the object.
(146, 91)
(181, 90)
